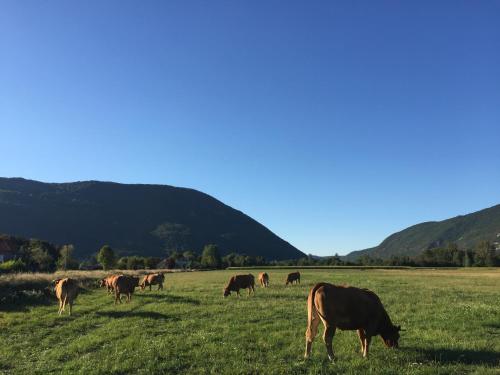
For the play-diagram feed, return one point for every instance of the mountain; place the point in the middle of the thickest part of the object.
(466, 231)
(133, 219)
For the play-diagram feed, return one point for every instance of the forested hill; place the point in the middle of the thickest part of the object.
(466, 231)
(133, 219)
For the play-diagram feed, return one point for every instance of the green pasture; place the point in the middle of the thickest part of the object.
(451, 320)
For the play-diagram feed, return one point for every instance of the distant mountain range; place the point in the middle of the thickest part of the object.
(466, 231)
(133, 219)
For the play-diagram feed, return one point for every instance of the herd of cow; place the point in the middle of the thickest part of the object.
(343, 307)
(67, 289)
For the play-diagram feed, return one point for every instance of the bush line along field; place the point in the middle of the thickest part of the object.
(451, 320)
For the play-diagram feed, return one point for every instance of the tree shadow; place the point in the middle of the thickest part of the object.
(170, 298)
(465, 356)
(492, 325)
(22, 301)
(138, 314)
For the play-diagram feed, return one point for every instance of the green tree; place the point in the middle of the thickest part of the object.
(151, 262)
(121, 264)
(106, 257)
(174, 254)
(467, 258)
(484, 254)
(335, 260)
(66, 260)
(135, 263)
(230, 260)
(189, 255)
(43, 261)
(210, 257)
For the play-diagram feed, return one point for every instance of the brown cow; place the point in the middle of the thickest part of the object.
(153, 279)
(124, 284)
(66, 292)
(264, 279)
(108, 282)
(238, 282)
(348, 308)
(293, 277)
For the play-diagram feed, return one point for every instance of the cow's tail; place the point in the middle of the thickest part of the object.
(312, 314)
(313, 318)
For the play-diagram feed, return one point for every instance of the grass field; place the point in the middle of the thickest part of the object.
(451, 317)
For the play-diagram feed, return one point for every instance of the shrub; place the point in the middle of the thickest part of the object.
(13, 265)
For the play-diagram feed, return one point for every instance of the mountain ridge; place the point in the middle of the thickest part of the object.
(139, 219)
(464, 230)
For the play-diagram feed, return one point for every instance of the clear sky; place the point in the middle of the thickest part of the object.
(332, 123)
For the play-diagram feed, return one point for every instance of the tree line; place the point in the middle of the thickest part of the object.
(209, 258)
(484, 254)
(41, 256)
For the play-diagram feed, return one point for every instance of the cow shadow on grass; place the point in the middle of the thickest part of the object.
(172, 298)
(465, 356)
(139, 314)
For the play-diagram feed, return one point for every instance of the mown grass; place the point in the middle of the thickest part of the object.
(451, 317)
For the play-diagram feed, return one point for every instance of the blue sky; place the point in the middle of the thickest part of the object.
(334, 123)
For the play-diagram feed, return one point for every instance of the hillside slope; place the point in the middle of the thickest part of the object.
(135, 219)
(464, 230)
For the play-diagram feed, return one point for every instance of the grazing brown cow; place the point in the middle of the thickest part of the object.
(153, 279)
(108, 282)
(348, 308)
(264, 279)
(124, 284)
(240, 282)
(293, 277)
(66, 292)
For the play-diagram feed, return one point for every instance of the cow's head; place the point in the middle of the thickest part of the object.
(135, 282)
(227, 292)
(102, 283)
(54, 284)
(391, 336)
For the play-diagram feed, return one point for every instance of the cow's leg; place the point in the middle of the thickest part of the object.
(328, 338)
(60, 307)
(70, 307)
(311, 332)
(117, 297)
(64, 302)
(160, 286)
(238, 293)
(362, 336)
(150, 287)
(368, 339)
